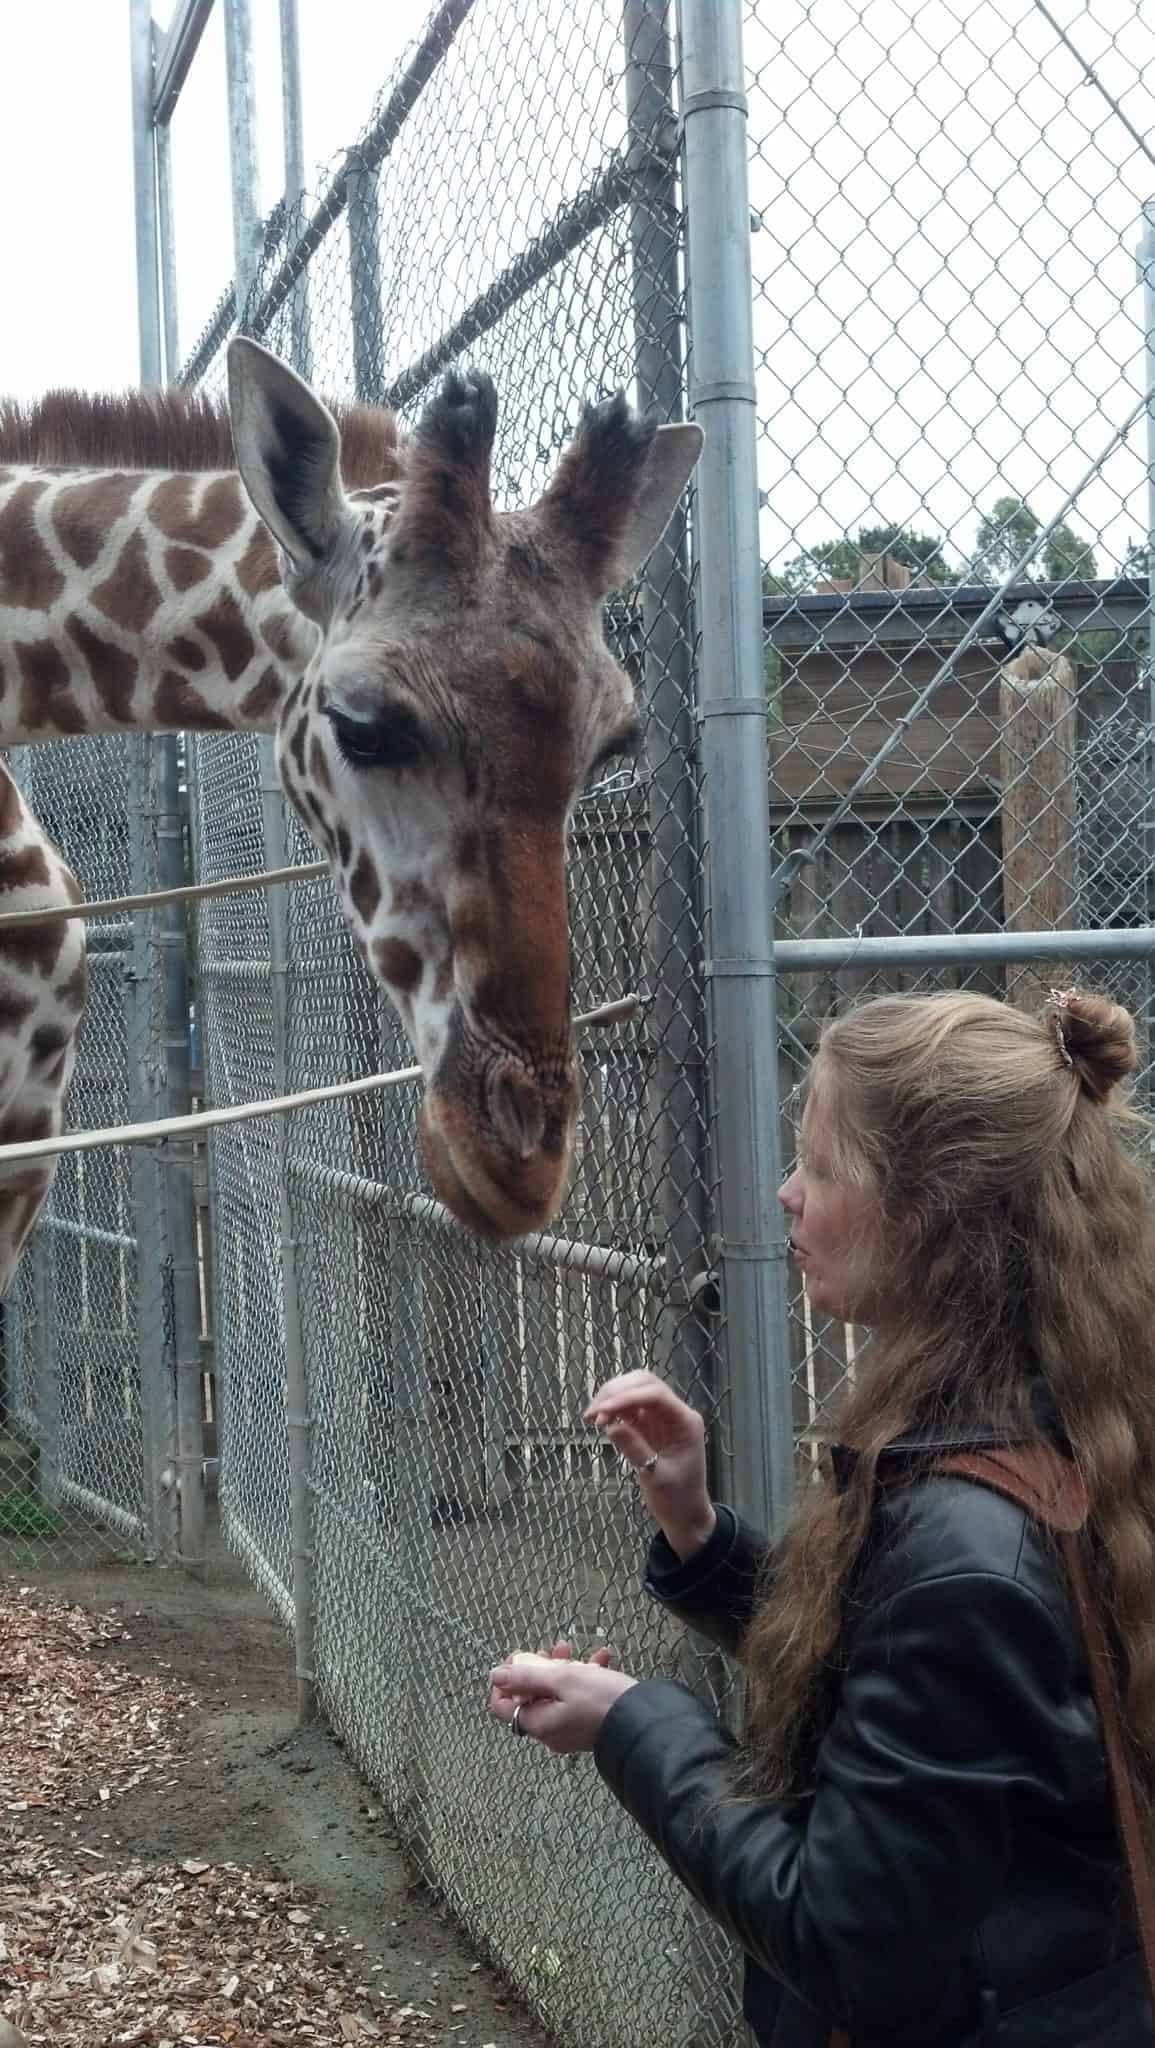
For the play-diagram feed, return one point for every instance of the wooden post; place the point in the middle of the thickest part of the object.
(1037, 771)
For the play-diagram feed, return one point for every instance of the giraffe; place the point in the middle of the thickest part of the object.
(436, 677)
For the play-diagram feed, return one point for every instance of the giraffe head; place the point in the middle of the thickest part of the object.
(460, 697)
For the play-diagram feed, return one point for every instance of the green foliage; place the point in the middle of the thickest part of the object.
(831, 560)
(21, 1514)
(1011, 531)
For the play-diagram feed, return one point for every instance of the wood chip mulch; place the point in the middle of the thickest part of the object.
(188, 1955)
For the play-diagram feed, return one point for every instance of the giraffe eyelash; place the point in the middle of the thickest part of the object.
(393, 740)
(615, 756)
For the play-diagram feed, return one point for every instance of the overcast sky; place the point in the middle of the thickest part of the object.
(66, 167)
(947, 306)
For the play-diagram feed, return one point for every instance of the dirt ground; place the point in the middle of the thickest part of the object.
(254, 1789)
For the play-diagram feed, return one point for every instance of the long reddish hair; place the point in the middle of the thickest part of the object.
(1015, 1228)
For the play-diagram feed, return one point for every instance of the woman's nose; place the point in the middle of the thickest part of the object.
(789, 1194)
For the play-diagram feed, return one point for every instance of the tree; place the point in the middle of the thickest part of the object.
(1137, 561)
(1011, 533)
(834, 560)
(1067, 557)
(1005, 535)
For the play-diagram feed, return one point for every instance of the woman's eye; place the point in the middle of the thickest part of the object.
(391, 741)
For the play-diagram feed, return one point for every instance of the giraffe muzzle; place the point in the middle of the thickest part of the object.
(516, 1109)
(498, 1155)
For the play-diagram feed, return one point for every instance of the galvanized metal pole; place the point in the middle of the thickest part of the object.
(167, 251)
(365, 284)
(297, 1412)
(48, 1406)
(292, 123)
(144, 181)
(1147, 273)
(732, 708)
(146, 1102)
(246, 247)
(243, 152)
(678, 1091)
(179, 1168)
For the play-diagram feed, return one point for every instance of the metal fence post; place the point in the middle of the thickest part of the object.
(365, 284)
(146, 1099)
(49, 1420)
(293, 131)
(678, 1091)
(167, 230)
(246, 250)
(1147, 275)
(144, 177)
(242, 152)
(177, 1166)
(732, 708)
(297, 1413)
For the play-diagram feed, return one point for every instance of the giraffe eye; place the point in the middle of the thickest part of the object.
(622, 748)
(391, 740)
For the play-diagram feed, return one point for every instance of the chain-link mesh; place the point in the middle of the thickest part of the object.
(949, 325)
(458, 1504)
(86, 1407)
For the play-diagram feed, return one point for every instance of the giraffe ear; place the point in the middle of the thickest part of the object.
(288, 452)
(669, 467)
(616, 488)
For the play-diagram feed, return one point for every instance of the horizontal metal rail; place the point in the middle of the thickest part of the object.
(543, 1247)
(101, 1510)
(192, 892)
(159, 1132)
(88, 1233)
(259, 1569)
(813, 956)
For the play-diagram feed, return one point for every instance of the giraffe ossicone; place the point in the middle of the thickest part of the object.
(434, 670)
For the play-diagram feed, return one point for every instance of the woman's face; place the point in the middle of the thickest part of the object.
(833, 1218)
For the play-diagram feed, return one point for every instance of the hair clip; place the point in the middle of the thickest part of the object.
(1060, 1001)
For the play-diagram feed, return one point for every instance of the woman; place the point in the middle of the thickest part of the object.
(914, 1842)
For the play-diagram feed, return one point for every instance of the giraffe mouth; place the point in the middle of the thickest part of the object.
(495, 1190)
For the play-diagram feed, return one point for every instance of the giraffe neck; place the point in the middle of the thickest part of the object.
(137, 602)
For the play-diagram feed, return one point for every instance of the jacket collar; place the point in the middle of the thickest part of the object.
(913, 1449)
(934, 1441)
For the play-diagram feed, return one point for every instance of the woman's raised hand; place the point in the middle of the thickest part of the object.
(664, 1439)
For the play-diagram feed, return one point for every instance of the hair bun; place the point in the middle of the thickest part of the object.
(1097, 1036)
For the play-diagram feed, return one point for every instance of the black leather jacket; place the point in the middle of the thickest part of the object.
(956, 1877)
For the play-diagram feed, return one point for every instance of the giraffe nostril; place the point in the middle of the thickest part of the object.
(516, 1109)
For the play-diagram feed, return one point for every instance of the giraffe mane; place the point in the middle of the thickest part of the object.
(171, 430)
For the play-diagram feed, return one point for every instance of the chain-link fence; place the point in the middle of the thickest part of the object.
(946, 327)
(950, 329)
(900, 729)
(455, 1502)
(87, 1392)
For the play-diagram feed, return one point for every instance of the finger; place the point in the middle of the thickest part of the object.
(529, 1678)
(625, 1386)
(561, 1652)
(602, 1657)
(630, 1442)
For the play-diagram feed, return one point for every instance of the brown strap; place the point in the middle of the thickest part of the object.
(1050, 1489)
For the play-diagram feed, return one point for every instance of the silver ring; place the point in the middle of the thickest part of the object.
(647, 1464)
(515, 1722)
